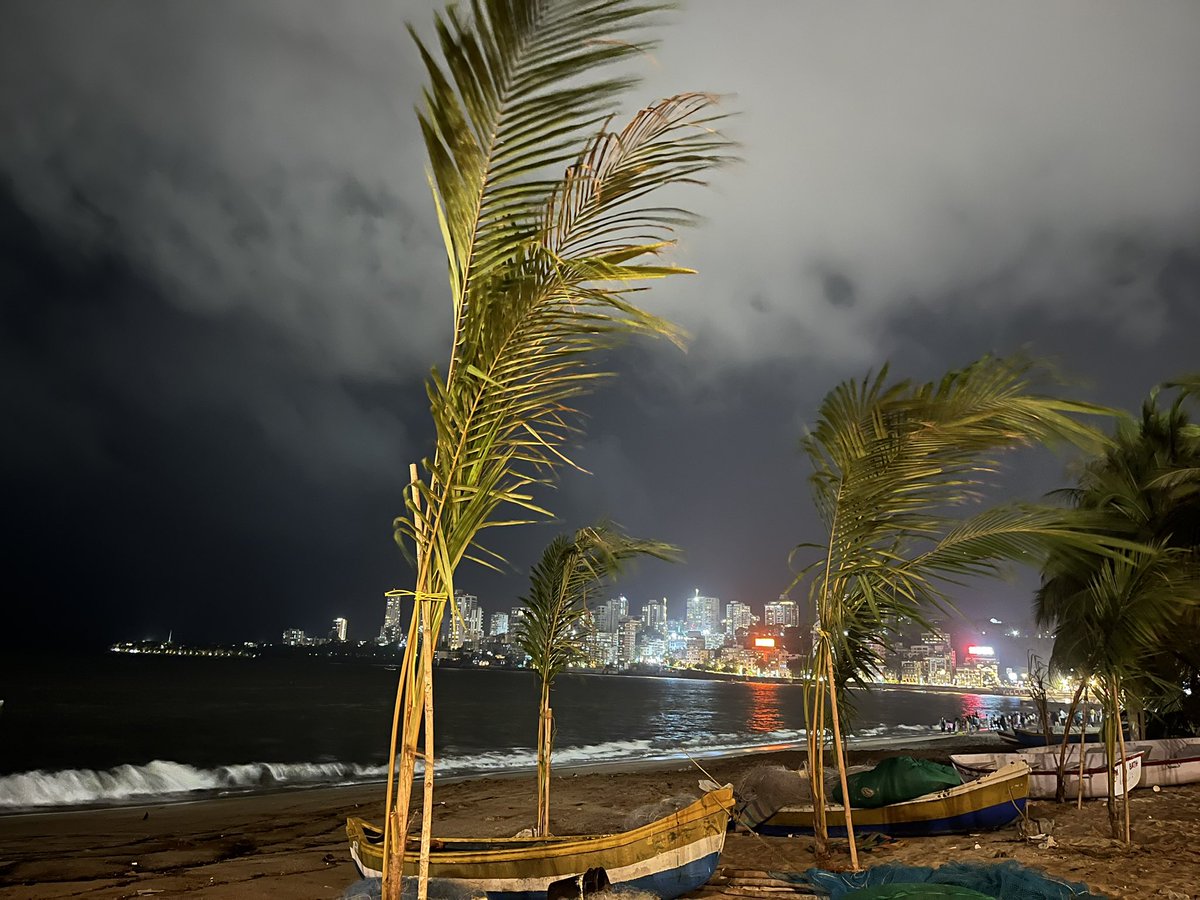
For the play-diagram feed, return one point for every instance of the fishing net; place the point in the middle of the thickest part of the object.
(1008, 880)
(785, 786)
(764, 790)
(652, 812)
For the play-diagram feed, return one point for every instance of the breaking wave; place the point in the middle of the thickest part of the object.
(163, 780)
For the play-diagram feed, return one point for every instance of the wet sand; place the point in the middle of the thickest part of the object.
(292, 844)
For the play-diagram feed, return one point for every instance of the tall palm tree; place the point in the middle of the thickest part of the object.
(1145, 487)
(896, 467)
(1133, 620)
(541, 266)
(1112, 630)
(570, 570)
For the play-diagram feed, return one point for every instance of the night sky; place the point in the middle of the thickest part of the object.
(221, 286)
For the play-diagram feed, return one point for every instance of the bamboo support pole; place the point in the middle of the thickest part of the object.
(427, 640)
(841, 762)
(818, 788)
(546, 726)
(814, 738)
(411, 702)
(390, 810)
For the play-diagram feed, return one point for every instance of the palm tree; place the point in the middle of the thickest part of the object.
(896, 466)
(1132, 619)
(1146, 488)
(570, 569)
(541, 267)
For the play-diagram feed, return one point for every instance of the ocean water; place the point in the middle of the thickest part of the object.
(111, 728)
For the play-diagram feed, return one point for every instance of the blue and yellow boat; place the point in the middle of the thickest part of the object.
(669, 857)
(992, 801)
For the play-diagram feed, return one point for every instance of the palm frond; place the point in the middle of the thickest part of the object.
(570, 569)
(896, 462)
(541, 268)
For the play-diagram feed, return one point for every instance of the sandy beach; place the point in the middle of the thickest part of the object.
(292, 844)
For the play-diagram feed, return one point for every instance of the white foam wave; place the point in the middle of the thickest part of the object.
(163, 778)
(166, 780)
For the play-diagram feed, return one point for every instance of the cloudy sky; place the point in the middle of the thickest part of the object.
(222, 284)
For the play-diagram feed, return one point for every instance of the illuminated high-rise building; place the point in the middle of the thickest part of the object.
(783, 613)
(295, 637)
(339, 630)
(737, 615)
(654, 615)
(516, 619)
(627, 639)
(499, 624)
(466, 627)
(703, 614)
(608, 617)
(391, 631)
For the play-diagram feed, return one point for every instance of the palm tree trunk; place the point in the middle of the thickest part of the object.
(1082, 748)
(1079, 800)
(1060, 788)
(545, 728)
(815, 708)
(1124, 773)
(1109, 752)
(841, 760)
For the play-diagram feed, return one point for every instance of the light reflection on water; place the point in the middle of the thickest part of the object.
(763, 713)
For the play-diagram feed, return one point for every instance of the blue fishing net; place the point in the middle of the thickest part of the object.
(1008, 880)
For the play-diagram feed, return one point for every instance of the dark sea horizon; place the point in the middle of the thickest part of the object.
(109, 729)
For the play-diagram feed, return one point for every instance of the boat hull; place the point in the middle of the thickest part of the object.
(1035, 737)
(1167, 762)
(1043, 776)
(669, 857)
(988, 803)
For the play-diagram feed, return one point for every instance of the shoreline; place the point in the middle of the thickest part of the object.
(584, 767)
(291, 844)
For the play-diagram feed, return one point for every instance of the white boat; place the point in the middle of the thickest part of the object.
(1167, 762)
(1044, 770)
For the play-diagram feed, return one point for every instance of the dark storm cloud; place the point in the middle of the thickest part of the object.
(223, 279)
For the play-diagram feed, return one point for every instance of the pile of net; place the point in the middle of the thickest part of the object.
(1008, 880)
(652, 812)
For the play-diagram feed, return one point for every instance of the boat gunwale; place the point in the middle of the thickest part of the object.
(713, 804)
(990, 780)
(1088, 771)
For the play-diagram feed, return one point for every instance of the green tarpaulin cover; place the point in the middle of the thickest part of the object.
(895, 780)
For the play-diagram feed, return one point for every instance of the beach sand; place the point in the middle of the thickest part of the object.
(292, 844)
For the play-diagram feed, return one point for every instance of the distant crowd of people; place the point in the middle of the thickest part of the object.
(1002, 722)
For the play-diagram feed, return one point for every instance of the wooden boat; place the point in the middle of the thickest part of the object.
(1033, 736)
(986, 803)
(1164, 762)
(1043, 765)
(668, 857)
